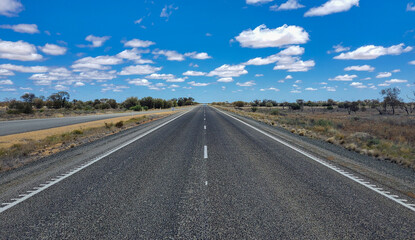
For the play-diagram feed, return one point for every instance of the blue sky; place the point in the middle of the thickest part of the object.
(210, 50)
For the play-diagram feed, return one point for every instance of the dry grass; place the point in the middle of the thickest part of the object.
(386, 137)
(19, 149)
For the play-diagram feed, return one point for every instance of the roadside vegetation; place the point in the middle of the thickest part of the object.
(59, 104)
(383, 129)
(27, 148)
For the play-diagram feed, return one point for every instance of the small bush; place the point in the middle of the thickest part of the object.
(274, 112)
(136, 108)
(77, 132)
(109, 125)
(145, 108)
(13, 111)
(330, 108)
(119, 124)
(254, 109)
(295, 106)
(27, 109)
(372, 142)
(323, 123)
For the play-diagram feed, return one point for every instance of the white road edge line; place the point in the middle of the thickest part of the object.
(205, 152)
(361, 182)
(46, 186)
(205, 127)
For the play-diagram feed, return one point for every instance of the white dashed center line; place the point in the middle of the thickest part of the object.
(205, 155)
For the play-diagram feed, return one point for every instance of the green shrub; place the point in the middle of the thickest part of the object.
(373, 141)
(295, 106)
(274, 112)
(254, 109)
(145, 108)
(77, 132)
(13, 111)
(330, 108)
(323, 123)
(136, 108)
(119, 124)
(238, 104)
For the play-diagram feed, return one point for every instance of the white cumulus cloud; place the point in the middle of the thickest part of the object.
(369, 52)
(357, 85)
(6, 72)
(253, 2)
(367, 68)
(410, 7)
(396, 81)
(22, 28)
(196, 84)
(289, 5)
(53, 49)
(24, 69)
(384, 75)
(96, 41)
(246, 84)
(294, 64)
(263, 37)
(196, 55)
(134, 55)
(176, 79)
(10, 8)
(137, 43)
(345, 77)
(162, 76)
(6, 82)
(139, 70)
(194, 73)
(225, 79)
(332, 6)
(19, 50)
(98, 63)
(113, 87)
(360, 68)
(167, 11)
(269, 89)
(170, 54)
(283, 56)
(139, 82)
(227, 70)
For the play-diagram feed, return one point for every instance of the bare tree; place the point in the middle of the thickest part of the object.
(391, 98)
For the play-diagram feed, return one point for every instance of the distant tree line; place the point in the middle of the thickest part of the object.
(391, 101)
(61, 100)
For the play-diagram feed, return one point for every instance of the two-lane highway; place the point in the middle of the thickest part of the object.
(206, 175)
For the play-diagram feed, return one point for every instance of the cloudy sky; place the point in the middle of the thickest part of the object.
(211, 50)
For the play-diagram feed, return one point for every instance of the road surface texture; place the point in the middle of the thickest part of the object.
(21, 126)
(198, 175)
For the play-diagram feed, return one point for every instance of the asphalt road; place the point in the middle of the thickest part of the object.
(21, 126)
(225, 181)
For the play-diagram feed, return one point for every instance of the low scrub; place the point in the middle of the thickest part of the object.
(119, 124)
